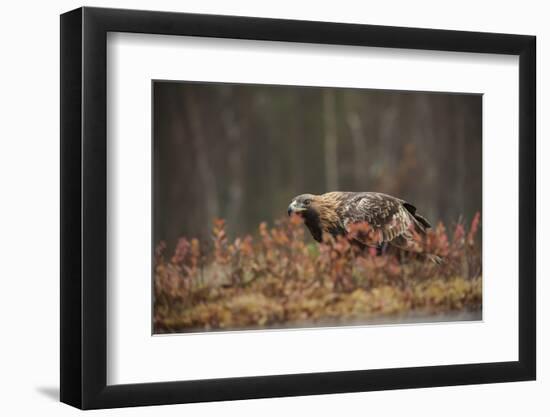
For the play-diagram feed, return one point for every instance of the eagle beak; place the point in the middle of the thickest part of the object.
(294, 208)
(291, 208)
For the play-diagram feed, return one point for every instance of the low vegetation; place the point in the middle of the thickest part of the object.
(279, 279)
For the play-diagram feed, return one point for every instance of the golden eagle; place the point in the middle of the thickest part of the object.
(388, 219)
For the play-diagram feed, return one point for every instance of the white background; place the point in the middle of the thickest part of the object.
(134, 356)
(29, 225)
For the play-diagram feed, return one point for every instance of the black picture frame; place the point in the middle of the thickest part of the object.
(84, 207)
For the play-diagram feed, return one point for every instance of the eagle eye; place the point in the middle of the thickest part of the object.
(307, 202)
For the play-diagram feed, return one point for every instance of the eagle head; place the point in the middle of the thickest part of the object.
(303, 205)
(319, 213)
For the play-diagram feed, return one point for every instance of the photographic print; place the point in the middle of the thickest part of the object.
(279, 207)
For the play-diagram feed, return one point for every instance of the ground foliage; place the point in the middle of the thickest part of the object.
(278, 278)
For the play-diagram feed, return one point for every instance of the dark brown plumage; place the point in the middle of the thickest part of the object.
(389, 220)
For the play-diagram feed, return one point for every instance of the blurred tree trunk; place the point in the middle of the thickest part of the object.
(233, 134)
(205, 173)
(460, 158)
(360, 154)
(331, 140)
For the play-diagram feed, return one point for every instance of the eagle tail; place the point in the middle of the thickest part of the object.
(420, 221)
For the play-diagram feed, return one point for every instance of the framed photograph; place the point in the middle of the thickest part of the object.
(257, 208)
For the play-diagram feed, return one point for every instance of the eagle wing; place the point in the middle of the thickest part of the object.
(387, 218)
